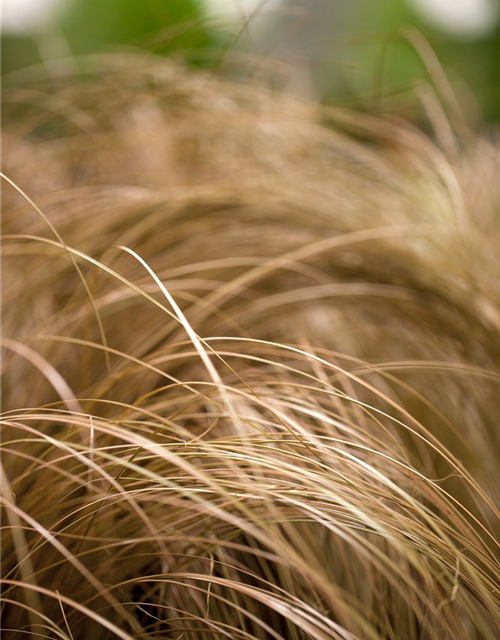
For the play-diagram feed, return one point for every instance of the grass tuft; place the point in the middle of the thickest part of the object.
(251, 366)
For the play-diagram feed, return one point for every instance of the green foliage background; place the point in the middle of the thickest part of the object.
(183, 27)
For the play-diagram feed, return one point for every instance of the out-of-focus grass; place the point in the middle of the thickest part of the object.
(364, 35)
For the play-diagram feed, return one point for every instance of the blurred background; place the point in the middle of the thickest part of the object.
(365, 53)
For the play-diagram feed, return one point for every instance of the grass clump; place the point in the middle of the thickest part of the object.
(251, 366)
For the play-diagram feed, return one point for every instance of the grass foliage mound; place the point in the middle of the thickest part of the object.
(251, 365)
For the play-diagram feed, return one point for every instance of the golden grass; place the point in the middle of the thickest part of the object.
(251, 366)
